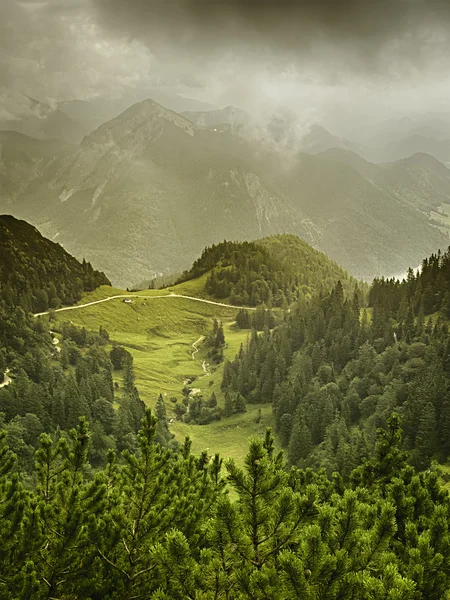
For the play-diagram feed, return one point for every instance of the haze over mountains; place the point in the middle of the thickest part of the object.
(71, 120)
(147, 190)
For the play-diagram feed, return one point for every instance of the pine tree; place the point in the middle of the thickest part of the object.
(228, 406)
(239, 403)
(425, 442)
(67, 505)
(13, 513)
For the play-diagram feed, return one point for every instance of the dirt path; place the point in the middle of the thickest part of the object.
(205, 368)
(194, 345)
(204, 363)
(78, 306)
(7, 380)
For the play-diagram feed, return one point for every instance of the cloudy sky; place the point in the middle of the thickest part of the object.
(387, 57)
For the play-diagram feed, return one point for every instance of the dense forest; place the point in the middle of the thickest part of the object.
(38, 274)
(335, 372)
(273, 271)
(161, 524)
(420, 294)
(60, 375)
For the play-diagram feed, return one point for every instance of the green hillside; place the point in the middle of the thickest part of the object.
(35, 275)
(275, 270)
(160, 333)
(101, 497)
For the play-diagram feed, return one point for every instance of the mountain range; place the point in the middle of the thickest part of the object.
(71, 120)
(147, 190)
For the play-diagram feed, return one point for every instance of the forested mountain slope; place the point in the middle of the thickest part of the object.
(335, 372)
(36, 273)
(160, 188)
(55, 377)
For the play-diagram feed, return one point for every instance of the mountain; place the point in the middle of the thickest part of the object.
(318, 139)
(71, 120)
(397, 139)
(146, 191)
(415, 144)
(279, 129)
(41, 120)
(95, 111)
(420, 179)
(35, 275)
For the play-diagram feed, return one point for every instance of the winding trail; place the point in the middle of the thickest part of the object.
(194, 345)
(204, 363)
(78, 306)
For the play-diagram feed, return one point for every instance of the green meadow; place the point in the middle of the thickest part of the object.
(160, 333)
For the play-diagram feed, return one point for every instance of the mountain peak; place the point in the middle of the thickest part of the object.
(140, 122)
(423, 160)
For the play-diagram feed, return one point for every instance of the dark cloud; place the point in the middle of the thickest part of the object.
(51, 49)
(306, 55)
(415, 29)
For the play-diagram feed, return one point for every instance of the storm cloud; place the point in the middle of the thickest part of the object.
(369, 34)
(304, 55)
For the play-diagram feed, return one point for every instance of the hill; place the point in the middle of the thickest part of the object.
(166, 331)
(160, 188)
(50, 379)
(36, 273)
(275, 270)
(334, 372)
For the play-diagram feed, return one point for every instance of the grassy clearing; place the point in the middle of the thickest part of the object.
(194, 287)
(230, 436)
(159, 333)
